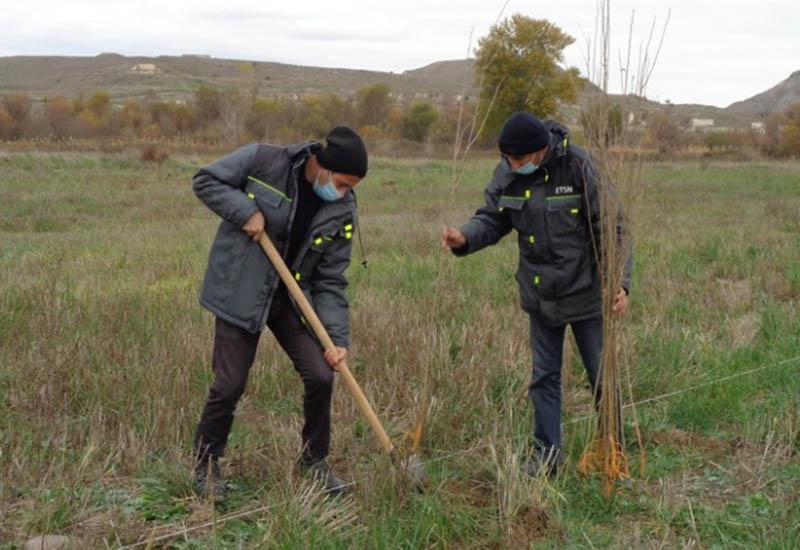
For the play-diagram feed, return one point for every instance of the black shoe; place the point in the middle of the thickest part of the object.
(208, 482)
(322, 473)
(540, 462)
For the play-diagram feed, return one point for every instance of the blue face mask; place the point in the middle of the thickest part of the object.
(326, 192)
(527, 169)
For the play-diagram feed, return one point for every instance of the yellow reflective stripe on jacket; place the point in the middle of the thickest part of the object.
(527, 195)
(556, 197)
(268, 186)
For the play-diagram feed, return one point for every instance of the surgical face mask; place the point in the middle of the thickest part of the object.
(527, 169)
(328, 191)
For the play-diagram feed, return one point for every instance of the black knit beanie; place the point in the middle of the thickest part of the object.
(523, 133)
(344, 153)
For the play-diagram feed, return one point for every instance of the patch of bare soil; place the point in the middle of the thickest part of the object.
(531, 523)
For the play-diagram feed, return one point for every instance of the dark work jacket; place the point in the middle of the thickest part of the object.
(240, 281)
(556, 214)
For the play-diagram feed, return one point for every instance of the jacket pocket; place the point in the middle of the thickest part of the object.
(251, 276)
(264, 193)
(527, 244)
(273, 203)
(563, 215)
(224, 263)
(512, 202)
(309, 261)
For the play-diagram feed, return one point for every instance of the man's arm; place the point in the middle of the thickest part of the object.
(485, 228)
(220, 186)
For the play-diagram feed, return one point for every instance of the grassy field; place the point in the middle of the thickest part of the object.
(105, 362)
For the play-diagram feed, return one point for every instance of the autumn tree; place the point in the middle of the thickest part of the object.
(233, 110)
(59, 115)
(206, 104)
(517, 69)
(662, 132)
(18, 106)
(768, 143)
(133, 114)
(394, 121)
(789, 141)
(96, 117)
(7, 126)
(602, 123)
(184, 119)
(99, 104)
(372, 104)
(419, 120)
(336, 109)
(17, 110)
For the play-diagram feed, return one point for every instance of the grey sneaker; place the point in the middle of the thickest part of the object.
(541, 462)
(322, 473)
(209, 483)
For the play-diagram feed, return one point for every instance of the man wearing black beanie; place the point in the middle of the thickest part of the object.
(546, 189)
(303, 197)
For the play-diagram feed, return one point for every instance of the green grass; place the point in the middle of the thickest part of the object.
(104, 366)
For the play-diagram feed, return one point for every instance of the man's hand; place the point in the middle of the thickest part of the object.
(255, 225)
(334, 356)
(621, 302)
(452, 238)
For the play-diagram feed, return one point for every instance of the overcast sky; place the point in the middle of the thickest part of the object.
(715, 52)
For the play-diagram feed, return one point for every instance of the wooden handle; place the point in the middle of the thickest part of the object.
(311, 318)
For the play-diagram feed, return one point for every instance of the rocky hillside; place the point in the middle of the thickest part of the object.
(776, 99)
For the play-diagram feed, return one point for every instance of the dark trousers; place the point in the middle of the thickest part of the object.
(234, 351)
(547, 345)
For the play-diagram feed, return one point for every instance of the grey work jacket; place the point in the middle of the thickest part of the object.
(555, 212)
(240, 281)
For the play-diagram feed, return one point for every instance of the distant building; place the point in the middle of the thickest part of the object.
(702, 123)
(144, 68)
(757, 128)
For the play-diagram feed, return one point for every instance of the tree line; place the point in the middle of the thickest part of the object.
(230, 115)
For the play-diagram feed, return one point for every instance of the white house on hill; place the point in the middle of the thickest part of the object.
(144, 68)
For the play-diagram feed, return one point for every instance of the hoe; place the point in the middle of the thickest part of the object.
(411, 462)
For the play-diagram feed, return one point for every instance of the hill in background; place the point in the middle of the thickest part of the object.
(176, 77)
(776, 99)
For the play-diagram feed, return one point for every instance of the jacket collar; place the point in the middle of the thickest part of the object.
(299, 153)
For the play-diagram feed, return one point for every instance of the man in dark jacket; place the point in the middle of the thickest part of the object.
(546, 189)
(303, 197)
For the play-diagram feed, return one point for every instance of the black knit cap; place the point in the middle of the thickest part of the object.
(523, 133)
(344, 153)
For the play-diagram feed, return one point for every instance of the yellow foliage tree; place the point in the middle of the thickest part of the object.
(517, 69)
